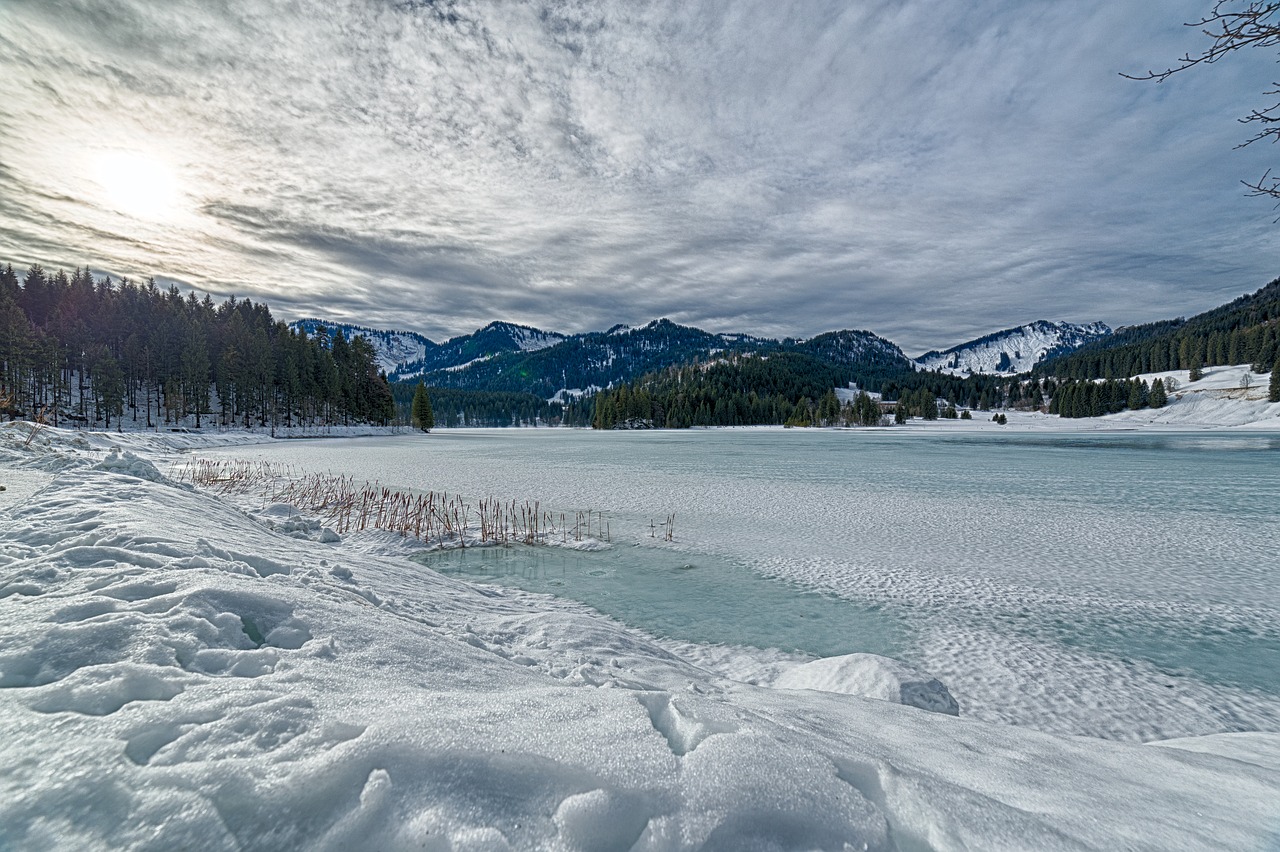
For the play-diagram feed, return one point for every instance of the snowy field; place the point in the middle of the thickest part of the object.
(1217, 401)
(184, 671)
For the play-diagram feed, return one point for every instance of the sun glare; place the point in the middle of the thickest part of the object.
(138, 186)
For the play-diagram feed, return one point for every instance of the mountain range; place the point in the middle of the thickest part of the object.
(404, 355)
(504, 356)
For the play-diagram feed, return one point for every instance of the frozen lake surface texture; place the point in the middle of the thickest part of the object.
(853, 640)
(1120, 586)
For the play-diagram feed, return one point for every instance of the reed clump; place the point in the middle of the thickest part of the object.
(436, 518)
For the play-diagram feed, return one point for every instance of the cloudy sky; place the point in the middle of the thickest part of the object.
(929, 171)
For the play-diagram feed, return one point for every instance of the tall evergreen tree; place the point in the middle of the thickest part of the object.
(1273, 390)
(423, 417)
(1199, 352)
(866, 410)
(195, 372)
(1158, 396)
(108, 387)
(928, 405)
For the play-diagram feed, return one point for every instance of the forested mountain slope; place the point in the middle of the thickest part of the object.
(1243, 331)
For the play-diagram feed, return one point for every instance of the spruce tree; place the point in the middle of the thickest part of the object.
(423, 417)
(108, 388)
(1197, 361)
(1158, 396)
(1137, 399)
(1273, 391)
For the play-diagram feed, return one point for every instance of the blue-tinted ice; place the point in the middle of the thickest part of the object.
(1122, 585)
(692, 598)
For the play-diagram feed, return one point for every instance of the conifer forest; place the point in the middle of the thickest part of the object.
(81, 350)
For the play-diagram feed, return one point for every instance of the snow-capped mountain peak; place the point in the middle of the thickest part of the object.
(406, 354)
(393, 348)
(524, 337)
(1013, 350)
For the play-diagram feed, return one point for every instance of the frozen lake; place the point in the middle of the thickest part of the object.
(1119, 585)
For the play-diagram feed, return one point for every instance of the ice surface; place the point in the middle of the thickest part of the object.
(682, 596)
(1114, 584)
(175, 673)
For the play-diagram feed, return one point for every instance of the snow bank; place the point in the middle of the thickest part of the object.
(177, 673)
(1253, 748)
(872, 676)
(286, 519)
(129, 464)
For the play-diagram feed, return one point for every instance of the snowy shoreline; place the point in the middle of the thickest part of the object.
(1215, 402)
(179, 674)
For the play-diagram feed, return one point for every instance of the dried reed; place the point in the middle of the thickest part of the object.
(434, 518)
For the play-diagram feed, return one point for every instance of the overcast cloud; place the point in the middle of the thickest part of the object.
(929, 171)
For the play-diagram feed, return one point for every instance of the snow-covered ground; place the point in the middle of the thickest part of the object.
(1216, 401)
(180, 672)
(565, 396)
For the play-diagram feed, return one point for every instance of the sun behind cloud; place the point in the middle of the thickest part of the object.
(137, 185)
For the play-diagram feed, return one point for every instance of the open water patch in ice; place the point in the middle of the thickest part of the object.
(687, 597)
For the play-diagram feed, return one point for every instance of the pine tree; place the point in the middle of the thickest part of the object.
(108, 388)
(603, 414)
(423, 417)
(1037, 396)
(1137, 397)
(1273, 391)
(868, 412)
(1158, 396)
(1197, 361)
(195, 372)
(828, 409)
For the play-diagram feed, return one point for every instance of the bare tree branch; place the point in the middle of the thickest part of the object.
(1253, 26)
(1234, 25)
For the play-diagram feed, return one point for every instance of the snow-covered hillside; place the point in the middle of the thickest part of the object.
(393, 347)
(407, 354)
(1217, 401)
(526, 338)
(1013, 350)
(181, 672)
(457, 354)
